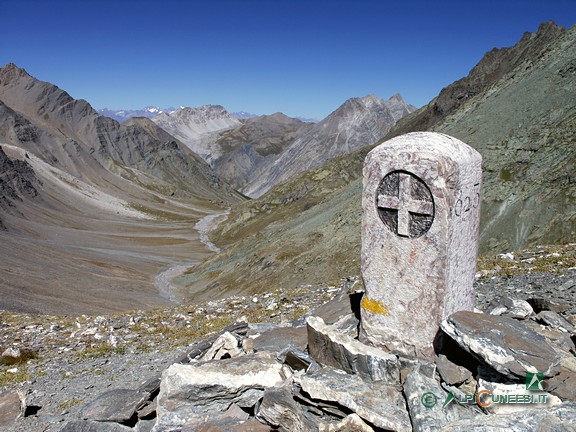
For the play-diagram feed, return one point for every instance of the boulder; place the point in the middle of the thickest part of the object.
(561, 418)
(450, 372)
(352, 423)
(511, 307)
(280, 410)
(228, 424)
(119, 405)
(225, 346)
(330, 347)
(94, 426)
(539, 304)
(428, 404)
(296, 359)
(278, 338)
(507, 345)
(194, 391)
(11, 407)
(554, 320)
(375, 402)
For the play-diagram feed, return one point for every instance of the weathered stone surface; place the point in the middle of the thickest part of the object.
(144, 426)
(118, 405)
(278, 338)
(352, 423)
(148, 411)
(190, 392)
(511, 307)
(233, 419)
(450, 372)
(348, 325)
(93, 426)
(563, 385)
(494, 397)
(377, 403)
(540, 303)
(425, 399)
(561, 418)
(505, 344)
(330, 347)
(421, 208)
(347, 301)
(279, 409)
(11, 352)
(295, 358)
(557, 338)
(228, 425)
(555, 321)
(226, 345)
(10, 408)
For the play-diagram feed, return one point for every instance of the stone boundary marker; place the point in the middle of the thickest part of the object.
(421, 213)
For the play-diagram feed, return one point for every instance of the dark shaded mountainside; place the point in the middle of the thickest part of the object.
(83, 198)
(516, 107)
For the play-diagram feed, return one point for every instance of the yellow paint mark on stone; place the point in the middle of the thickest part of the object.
(374, 306)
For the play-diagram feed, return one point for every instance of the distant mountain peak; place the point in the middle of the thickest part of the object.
(11, 72)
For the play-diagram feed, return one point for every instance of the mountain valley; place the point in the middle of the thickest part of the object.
(516, 107)
(119, 202)
(94, 209)
(153, 264)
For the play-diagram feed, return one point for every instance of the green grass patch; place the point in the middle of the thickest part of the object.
(103, 349)
(24, 356)
(7, 378)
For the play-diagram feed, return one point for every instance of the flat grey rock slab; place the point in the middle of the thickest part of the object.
(450, 372)
(351, 423)
(561, 418)
(228, 425)
(425, 399)
(279, 338)
(330, 347)
(118, 405)
(540, 304)
(556, 321)
(505, 344)
(10, 408)
(377, 403)
(514, 308)
(94, 426)
(279, 409)
(196, 390)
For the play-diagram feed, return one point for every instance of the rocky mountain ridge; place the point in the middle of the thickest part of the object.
(515, 107)
(357, 123)
(17, 180)
(123, 115)
(247, 154)
(105, 192)
(195, 126)
(247, 147)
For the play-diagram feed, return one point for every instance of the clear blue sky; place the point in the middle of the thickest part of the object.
(303, 58)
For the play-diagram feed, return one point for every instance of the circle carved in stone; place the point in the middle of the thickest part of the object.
(405, 204)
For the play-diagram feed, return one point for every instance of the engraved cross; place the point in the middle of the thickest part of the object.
(404, 204)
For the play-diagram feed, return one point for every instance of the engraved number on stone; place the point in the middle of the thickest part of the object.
(405, 204)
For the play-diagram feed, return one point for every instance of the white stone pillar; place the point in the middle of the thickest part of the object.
(421, 213)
